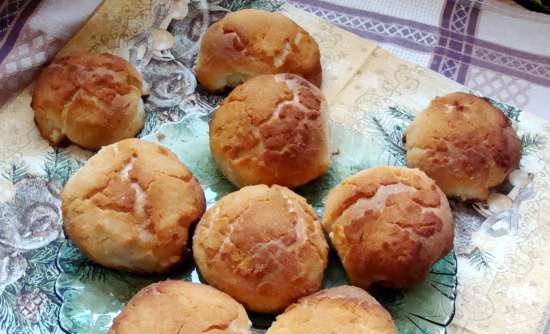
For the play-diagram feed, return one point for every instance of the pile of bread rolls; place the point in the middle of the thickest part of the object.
(261, 248)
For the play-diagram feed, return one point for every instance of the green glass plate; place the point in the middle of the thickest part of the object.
(92, 295)
(51, 287)
(48, 286)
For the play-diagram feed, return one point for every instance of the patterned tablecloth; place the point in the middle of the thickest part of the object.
(493, 47)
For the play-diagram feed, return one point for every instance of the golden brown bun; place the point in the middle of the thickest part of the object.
(250, 42)
(91, 99)
(271, 130)
(389, 225)
(340, 310)
(464, 143)
(174, 307)
(262, 245)
(130, 207)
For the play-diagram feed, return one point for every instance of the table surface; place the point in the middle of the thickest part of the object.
(493, 47)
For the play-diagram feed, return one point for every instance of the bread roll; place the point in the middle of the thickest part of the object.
(130, 207)
(250, 42)
(340, 310)
(465, 144)
(262, 245)
(174, 307)
(91, 99)
(271, 130)
(389, 226)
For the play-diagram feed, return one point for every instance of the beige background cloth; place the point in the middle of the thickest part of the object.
(511, 295)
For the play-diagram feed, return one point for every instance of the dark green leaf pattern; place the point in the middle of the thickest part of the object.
(151, 122)
(401, 113)
(510, 111)
(271, 5)
(55, 164)
(7, 314)
(532, 142)
(30, 305)
(481, 259)
(394, 138)
(15, 171)
(389, 126)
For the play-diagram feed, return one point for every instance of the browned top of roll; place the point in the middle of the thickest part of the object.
(271, 130)
(340, 310)
(174, 307)
(464, 143)
(262, 245)
(250, 42)
(389, 225)
(130, 207)
(92, 99)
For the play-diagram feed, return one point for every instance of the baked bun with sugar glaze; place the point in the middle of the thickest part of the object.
(251, 42)
(389, 226)
(174, 307)
(130, 207)
(271, 130)
(263, 246)
(91, 99)
(465, 144)
(340, 310)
